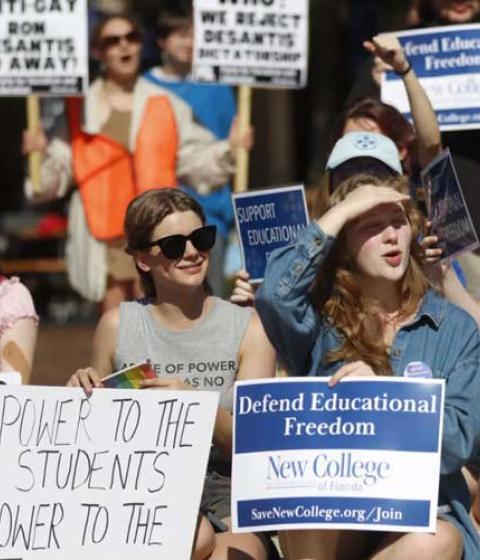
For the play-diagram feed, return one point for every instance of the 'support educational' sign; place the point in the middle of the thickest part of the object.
(267, 220)
(261, 43)
(362, 455)
(447, 209)
(447, 62)
(43, 47)
(114, 476)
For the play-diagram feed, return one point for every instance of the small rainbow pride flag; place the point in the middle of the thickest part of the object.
(129, 378)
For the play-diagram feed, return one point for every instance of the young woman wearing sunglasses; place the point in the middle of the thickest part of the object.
(133, 136)
(349, 298)
(192, 339)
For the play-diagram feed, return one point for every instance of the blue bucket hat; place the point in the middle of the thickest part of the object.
(365, 145)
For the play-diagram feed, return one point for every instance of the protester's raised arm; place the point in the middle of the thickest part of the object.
(389, 55)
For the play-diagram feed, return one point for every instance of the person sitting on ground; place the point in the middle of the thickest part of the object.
(18, 328)
(349, 299)
(180, 322)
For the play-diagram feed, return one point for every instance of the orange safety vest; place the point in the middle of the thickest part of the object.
(109, 176)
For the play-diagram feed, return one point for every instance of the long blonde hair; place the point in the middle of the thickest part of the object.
(337, 296)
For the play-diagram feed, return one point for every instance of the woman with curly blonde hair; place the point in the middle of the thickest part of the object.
(350, 298)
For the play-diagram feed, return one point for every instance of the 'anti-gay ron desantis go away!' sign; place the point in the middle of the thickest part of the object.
(43, 47)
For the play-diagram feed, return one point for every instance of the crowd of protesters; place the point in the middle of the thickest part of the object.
(362, 291)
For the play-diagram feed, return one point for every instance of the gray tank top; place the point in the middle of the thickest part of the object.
(205, 356)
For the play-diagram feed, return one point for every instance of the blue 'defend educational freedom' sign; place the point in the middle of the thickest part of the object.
(447, 63)
(267, 220)
(364, 454)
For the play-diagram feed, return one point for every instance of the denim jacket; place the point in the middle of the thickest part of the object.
(441, 335)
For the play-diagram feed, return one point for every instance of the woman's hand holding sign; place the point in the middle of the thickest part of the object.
(33, 141)
(87, 378)
(354, 369)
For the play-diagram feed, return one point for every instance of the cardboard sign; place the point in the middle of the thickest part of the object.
(447, 63)
(447, 208)
(362, 455)
(267, 220)
(10, 378)
(116, 476)
(43, 47)
(261, 43)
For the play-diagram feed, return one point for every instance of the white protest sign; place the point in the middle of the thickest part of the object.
(257, 43)
(447, 63)
(115, 476)
(364, 454)
(10, 378)
(43, 47)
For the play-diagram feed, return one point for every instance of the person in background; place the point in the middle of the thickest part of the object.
(417, 143)
(388, 55)
(18, 328)
(462, 143)
(349, 299)
(124, 115)
(213, 105)
(181, 322)
(354, 153)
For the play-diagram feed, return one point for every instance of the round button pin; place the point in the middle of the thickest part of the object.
(417, 369)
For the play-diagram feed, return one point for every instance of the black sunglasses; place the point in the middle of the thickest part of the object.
(173, 246)
(108, 41)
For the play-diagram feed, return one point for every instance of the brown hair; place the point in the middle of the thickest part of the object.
(173, 18)
(390, 121)
(95, 38)
(337, 296)
(144, 213)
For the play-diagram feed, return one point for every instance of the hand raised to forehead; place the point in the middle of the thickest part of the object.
(367, 197)
(360, 200)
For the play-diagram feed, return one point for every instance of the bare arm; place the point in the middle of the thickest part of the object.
(257, 360)
(389, 55)
(444, 278)
(17, 347)
(454, 291)
(103, 353)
